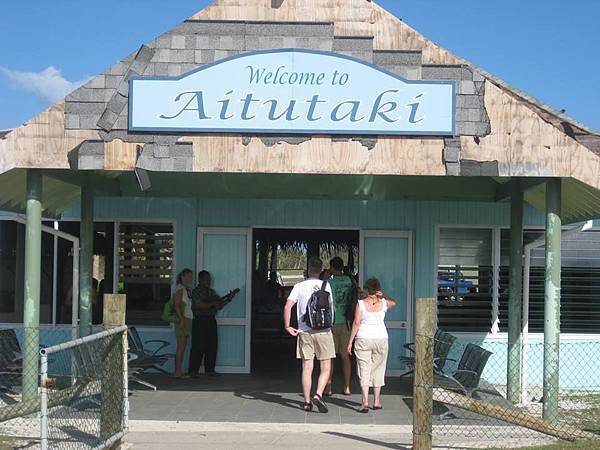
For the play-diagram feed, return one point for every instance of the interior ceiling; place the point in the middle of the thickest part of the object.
(298, 239)
(61, 189)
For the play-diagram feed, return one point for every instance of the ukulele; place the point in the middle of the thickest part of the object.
(227, 298)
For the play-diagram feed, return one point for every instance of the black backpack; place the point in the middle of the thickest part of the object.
(351, 301)
(318, 315)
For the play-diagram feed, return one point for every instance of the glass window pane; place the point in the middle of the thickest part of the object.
(146, 254)
(465, 279)
(102, 269)
(580, 282)
(12, 246)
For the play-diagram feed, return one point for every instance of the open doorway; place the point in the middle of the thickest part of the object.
(279, 261)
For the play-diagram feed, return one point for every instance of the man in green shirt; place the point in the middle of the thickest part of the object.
(341, 286)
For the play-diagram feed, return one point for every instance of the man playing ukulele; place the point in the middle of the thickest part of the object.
(205, 304)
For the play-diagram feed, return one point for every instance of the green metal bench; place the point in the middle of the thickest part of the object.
(442, 343)
(467, 376)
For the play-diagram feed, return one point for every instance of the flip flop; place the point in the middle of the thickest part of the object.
(347, 394)
(308, 407)
(363, 410)
(377, 407)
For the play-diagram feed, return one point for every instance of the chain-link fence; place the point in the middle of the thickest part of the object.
(478, 401)
(66, 393)
(19, 380)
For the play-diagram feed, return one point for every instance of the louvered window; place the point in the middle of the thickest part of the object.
(145, 269)
(465, 279)
(580, 283)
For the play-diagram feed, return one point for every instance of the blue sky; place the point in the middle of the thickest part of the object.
(547, 48)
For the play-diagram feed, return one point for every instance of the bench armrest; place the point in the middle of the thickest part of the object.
(160, 347)
(465, 371)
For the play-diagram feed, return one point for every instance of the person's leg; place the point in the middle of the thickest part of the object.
(181, 344)
(377, 397)
(379, 358)
(324, 351)
(347, 370)
(363, 359)
(202, 340)
(336, 342)
(325, 366)
(307, 370)
(329, 386)
(346, 361)
(195, 352)
(210, 360)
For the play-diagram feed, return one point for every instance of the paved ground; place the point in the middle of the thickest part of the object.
(263, 410)
(260, 398)
(155, 435)
(190, 435)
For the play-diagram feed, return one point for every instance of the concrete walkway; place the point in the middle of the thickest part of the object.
(155, 435)
(195, 435)
(263, 410)
(260, 398)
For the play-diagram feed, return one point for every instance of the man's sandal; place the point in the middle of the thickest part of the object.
(320, 404)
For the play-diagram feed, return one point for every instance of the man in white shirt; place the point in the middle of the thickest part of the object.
(311, 343)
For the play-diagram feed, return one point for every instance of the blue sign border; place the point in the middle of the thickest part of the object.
(178, 130)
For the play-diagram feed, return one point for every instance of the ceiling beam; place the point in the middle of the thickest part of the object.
(503, 191)
(102, 185)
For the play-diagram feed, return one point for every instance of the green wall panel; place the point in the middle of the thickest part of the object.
(419, 216)
(386, 258)
(396, 339)
(224, 256)
(231, 351)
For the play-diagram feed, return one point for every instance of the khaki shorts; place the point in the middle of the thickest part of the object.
(341, 336)
(371, 358)
(315, 343)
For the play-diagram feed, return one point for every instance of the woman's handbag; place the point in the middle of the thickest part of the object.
(168, 314)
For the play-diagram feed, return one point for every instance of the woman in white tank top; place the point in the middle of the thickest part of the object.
(371, 346)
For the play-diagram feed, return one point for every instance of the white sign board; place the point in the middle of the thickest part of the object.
(292, 91)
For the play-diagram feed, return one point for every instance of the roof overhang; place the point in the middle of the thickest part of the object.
(62, 189)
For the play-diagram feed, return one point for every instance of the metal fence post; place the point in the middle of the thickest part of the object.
(124, 349)
(44, 399)
(423, 378)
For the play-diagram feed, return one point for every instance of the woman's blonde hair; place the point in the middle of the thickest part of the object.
(182, 274)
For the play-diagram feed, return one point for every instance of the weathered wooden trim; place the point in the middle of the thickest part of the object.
(423, 375)
(527, 146)
(355, 18)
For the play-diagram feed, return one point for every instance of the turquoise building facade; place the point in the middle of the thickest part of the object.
(398, 245)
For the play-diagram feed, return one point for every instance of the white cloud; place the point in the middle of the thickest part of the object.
(48, 85)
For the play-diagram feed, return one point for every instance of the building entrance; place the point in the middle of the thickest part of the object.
(279, 262)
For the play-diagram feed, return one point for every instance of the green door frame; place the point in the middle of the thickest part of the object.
(247, 320)
(393, 324)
